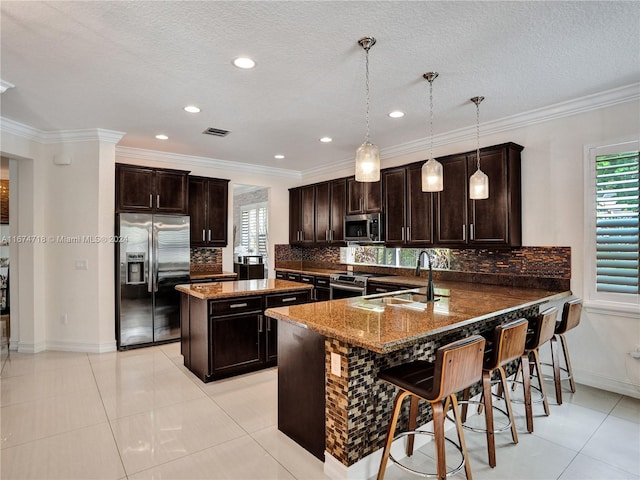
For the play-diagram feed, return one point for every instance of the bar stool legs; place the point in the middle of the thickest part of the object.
(397, 406)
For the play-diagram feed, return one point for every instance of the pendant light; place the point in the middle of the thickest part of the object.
(432, 169)
(479, 182)
(368, 155)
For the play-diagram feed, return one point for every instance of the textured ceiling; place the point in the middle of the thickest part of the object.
(132, 66)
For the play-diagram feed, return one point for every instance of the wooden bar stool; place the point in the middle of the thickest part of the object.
(541, 330)
(458, 365)
(506, 345)
(570, 319)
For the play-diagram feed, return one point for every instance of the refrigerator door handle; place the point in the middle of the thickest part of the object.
(155, 258)
(150, 261)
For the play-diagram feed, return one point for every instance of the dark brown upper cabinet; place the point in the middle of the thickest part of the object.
(408, 211)
(363, 197)
(208, 208)
(151, 190)
(495, 221)
(330, 210)
(302, 215)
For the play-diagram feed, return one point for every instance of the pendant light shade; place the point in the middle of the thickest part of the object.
(367, 155)
(432, 177)
(479, 182)
(367, 163)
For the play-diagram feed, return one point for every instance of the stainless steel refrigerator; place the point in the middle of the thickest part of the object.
(153, 258)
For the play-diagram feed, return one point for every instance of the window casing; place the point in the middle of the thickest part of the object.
(611, 223)
(253, 231)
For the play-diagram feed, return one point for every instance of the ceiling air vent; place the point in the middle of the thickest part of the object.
(216, 132)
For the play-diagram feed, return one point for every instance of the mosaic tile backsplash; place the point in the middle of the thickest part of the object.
(206, 260)
(536, 267)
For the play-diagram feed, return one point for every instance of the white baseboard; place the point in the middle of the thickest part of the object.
(610, 384)
(24, 347)
(82, 347)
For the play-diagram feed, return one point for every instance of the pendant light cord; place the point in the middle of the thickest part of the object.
(478, 132)
(366, 138)
(431, 118)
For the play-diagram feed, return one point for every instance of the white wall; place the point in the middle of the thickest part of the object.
(67, 200)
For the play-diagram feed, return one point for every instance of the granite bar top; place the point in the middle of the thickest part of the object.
(242, 288)
(384, 328)
(213, 276)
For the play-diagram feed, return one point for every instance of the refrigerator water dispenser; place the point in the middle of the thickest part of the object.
(135, 268)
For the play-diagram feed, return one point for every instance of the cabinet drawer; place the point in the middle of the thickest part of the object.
(285, 299)
(234, 306)
(322, 282)
(308, 279)
(281, 275)
(293, 277)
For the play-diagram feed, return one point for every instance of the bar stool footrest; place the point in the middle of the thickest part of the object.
(483, 430)
(425, 474)
(533, 387)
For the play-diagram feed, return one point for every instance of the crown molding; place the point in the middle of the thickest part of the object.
(608, 98)
(171, 159)
(59, 136)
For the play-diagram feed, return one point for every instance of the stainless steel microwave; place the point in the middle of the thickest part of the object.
(366, 228)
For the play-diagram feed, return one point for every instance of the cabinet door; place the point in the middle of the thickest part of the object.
(134, 189)
(308, 210)
(235, 342)
(489, 218)
(271, 345)
(363, 197)
(217, 212)
(198, 210)
(337, 210)
(393, 184)
(419, 209)
(323, 212)
(451, 203)
(295, 217)
(172, 190)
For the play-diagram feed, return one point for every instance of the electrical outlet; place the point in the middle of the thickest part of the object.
(65, 319)
(82, 264)
(349, 268)
(335, 365)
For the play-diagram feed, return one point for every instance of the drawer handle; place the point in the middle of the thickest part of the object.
(237, 305)
(289, 299)
(306, 280)
(383, 290)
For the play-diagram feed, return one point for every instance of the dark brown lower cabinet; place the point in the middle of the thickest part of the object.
(301, 387)
(222, 338)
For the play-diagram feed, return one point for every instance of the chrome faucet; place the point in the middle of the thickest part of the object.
(430, 288)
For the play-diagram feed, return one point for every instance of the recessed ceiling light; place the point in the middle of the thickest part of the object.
(326, 139)
(396, 114)
(244, 62)
(162, 137)
(279, 156)
(191, 109)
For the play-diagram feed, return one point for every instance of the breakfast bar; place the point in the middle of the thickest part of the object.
(354, 338)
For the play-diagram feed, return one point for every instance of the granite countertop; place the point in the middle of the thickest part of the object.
(213, 276)
(242, 288)
(384, 328)
(401, 280)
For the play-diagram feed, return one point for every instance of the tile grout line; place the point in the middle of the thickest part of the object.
(106, 414)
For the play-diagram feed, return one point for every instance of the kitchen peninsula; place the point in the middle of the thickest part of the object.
(223, 329)
(352, 339)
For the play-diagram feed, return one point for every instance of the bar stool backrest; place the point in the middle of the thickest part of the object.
(544, 327)
(509, 339)
(458, 366)
(570, 315)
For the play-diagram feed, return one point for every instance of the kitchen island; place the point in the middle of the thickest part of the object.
(223, 328)
(357, 337)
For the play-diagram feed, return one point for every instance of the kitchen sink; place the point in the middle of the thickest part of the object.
(410, 300)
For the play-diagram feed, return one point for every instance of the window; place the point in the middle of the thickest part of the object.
(253, 233)
(613, 223)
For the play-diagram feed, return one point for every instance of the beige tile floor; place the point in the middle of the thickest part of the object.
(142, 415)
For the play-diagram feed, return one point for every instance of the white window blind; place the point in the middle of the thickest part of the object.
(617, 196)
(253, 233)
